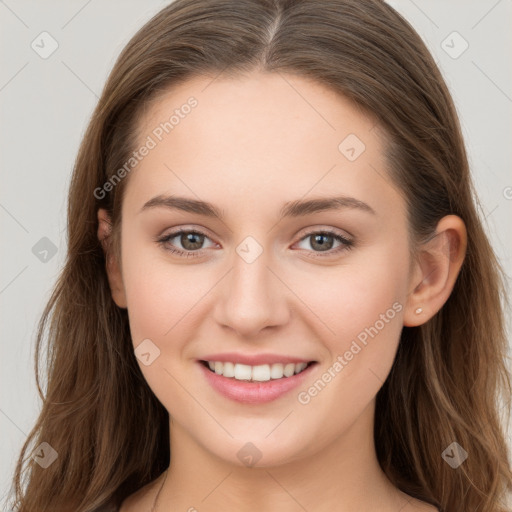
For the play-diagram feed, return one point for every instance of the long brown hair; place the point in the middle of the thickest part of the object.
(449, 375)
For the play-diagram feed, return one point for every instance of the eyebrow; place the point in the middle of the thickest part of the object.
(297, 208)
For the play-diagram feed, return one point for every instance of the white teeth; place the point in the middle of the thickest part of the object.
(289, 370)
(228, 370)
(276, 371)
(299, 367)
(260, 373)
(242, 371)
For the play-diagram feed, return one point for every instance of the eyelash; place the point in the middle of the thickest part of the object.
(347, 244)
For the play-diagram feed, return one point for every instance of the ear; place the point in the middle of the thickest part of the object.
(115, 277)
(435, 271)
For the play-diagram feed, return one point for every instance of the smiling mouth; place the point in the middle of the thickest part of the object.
(259, 373)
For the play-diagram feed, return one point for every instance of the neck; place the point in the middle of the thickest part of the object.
(343, 475)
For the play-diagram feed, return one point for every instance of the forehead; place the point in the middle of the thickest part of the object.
(257, 104)
(258, 135)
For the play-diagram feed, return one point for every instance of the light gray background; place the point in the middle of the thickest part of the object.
(46, 104)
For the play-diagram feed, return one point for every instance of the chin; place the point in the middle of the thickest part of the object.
(258, 451)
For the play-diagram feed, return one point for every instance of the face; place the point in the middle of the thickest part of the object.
(265, 281)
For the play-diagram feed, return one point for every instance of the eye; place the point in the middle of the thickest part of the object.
(323, 241)
(192, 240)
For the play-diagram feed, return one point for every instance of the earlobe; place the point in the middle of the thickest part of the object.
(436, 270)
(115, 278)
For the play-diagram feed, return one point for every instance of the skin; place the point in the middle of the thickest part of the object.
(252, 144)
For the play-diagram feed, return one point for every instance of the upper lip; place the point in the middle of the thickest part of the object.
(254, 359)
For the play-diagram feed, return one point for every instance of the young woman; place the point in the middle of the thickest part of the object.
(278, 293)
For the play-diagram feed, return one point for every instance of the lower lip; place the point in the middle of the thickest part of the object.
(254, 392)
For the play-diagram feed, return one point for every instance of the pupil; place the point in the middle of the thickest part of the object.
(188, 238)
(321, 245)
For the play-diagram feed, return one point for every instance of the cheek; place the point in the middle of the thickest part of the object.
(159, 292)
(353, 296)
(365, 314)
(160, 299)
(362, 305)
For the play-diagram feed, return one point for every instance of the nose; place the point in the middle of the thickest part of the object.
(252, 298)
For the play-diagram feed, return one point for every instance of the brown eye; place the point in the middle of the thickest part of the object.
(191, 242)
(323, 242)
